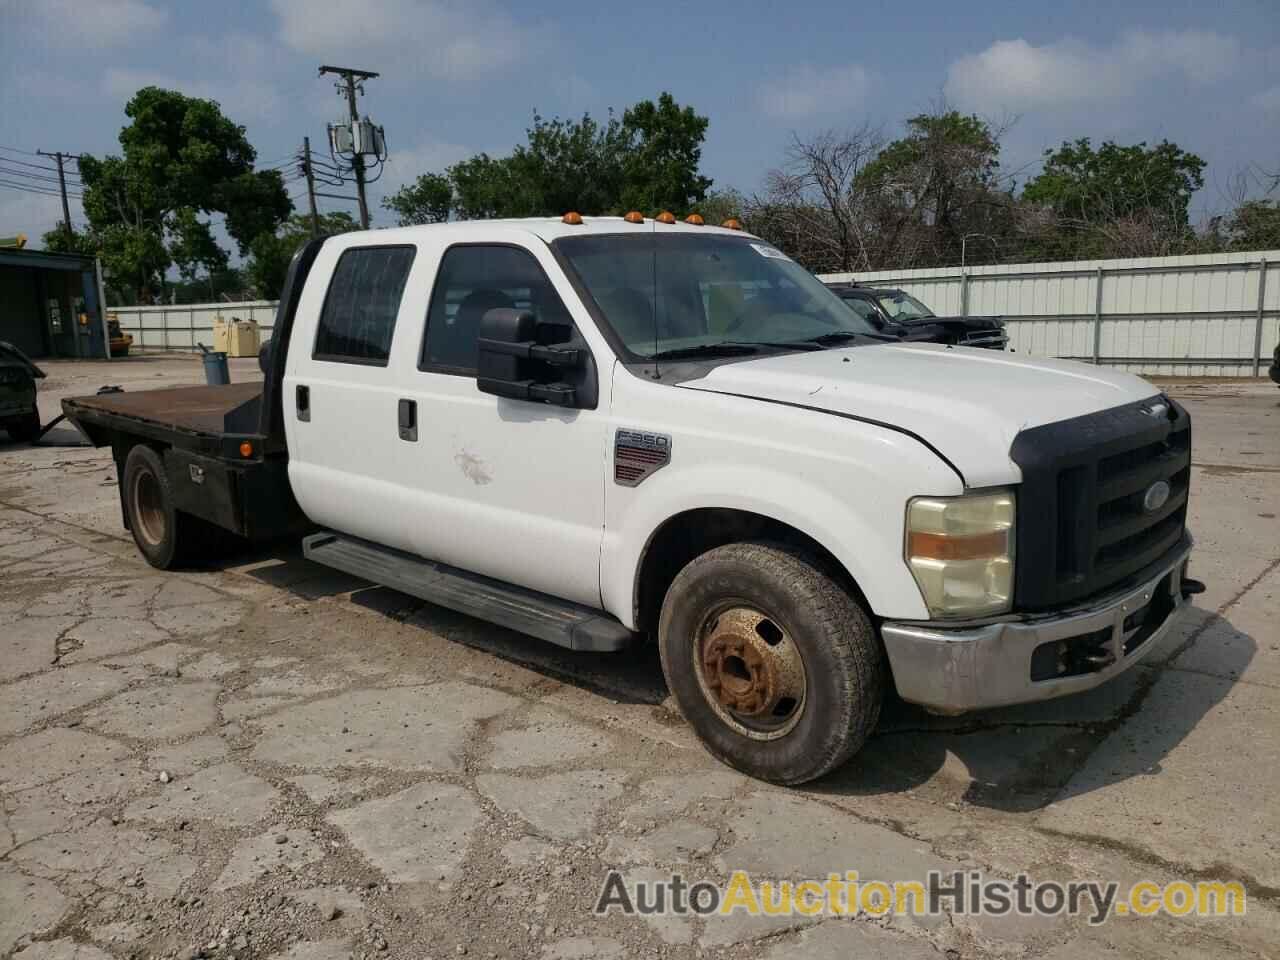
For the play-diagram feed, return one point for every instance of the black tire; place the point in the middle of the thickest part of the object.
(843, 663)
(26, 428)
(166, 536)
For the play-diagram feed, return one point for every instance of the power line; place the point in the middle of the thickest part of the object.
(33, 166)
(15, 172)
(28, 188)
(23, 173)
(62, 183)
(29, 153)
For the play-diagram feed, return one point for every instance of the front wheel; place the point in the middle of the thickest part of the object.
(774, 664)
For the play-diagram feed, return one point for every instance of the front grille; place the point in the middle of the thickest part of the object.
(990, 339)
(1085, 525)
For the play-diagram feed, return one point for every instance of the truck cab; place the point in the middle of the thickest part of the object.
(605, 430)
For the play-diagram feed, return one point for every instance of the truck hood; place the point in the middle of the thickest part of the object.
(967, 403)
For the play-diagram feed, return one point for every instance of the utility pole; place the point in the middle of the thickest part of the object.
(311, 185)
(353, 79)
(62, 182)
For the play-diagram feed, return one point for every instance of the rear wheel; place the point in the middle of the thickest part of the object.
(166, 536)
(774, 664)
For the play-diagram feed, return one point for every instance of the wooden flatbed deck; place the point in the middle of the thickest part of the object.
(201, 410)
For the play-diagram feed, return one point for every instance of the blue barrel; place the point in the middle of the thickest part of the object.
(216, 373)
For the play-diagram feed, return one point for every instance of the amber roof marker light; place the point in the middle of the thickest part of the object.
(573, 218)
(733, 223)
(695, 219)
(634, 216)
(666, 216)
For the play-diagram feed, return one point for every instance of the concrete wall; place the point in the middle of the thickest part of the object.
(1211, 315)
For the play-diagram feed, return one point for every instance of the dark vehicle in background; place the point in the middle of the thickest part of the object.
(1275, 365)
(18, 376)
(897, 314)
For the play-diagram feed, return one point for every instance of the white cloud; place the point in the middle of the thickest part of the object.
(1268, 101)
(1015, 74)
(807, 90)
(33, 213)
(444, 38)
(100, 23)
(406, 165)
(242, 96)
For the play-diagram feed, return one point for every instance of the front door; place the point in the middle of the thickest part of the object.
(511, 489)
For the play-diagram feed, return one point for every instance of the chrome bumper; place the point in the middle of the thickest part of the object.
(954, 670)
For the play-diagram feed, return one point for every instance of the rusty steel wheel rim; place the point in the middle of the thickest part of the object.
(148, 507)
(750, 671)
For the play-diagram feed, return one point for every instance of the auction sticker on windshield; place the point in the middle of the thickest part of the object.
(773, 253)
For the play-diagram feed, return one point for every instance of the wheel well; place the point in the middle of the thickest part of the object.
(694, 532)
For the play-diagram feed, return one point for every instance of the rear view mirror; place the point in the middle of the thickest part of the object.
(513, 363)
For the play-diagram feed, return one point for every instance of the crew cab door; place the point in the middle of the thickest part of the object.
(509, 488)
(393, 441)
(339, 395)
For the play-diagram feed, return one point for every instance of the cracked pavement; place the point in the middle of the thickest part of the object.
(270, 759)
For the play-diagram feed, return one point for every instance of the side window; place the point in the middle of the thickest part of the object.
(360, 308)
(862, 308)
(472, 280)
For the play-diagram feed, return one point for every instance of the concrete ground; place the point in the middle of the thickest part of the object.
(269, 759)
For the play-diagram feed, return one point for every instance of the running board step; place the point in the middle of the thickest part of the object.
(547, 618)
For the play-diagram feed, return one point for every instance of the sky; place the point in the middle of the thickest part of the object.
(462, 76)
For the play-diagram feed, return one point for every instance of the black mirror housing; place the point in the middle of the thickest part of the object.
(514, 362)
(503, 326)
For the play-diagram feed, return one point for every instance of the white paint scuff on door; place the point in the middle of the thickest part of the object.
(472, 467)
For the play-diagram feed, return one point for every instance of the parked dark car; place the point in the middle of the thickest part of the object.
(895, 313)
(1274, 370)
(18, 376)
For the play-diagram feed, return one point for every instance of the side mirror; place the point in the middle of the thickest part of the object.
(513, 363)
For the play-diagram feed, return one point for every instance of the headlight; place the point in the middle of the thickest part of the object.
(960, 550)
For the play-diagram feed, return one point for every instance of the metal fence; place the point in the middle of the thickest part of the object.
(1211, 315)
(182, 327)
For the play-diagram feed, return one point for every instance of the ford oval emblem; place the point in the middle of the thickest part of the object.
(1157, 496)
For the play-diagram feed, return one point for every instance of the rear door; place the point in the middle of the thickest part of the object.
(340, 396)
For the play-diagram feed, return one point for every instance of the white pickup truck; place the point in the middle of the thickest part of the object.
(598, 430)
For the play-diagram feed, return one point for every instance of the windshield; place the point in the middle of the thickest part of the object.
(665, 294)
(902, 306)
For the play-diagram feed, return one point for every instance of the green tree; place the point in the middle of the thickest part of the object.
(721, 205)
(427, 200)
(218, 285)
(1254, 225)
(646, 160)
(1095, 186)
(662, 148)
(182, 160)
(270, 253)
(79, 241)
(925, 191)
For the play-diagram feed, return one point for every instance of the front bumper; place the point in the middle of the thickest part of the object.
(957, 669)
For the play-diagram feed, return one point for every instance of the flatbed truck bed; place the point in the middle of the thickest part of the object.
(220, 450)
